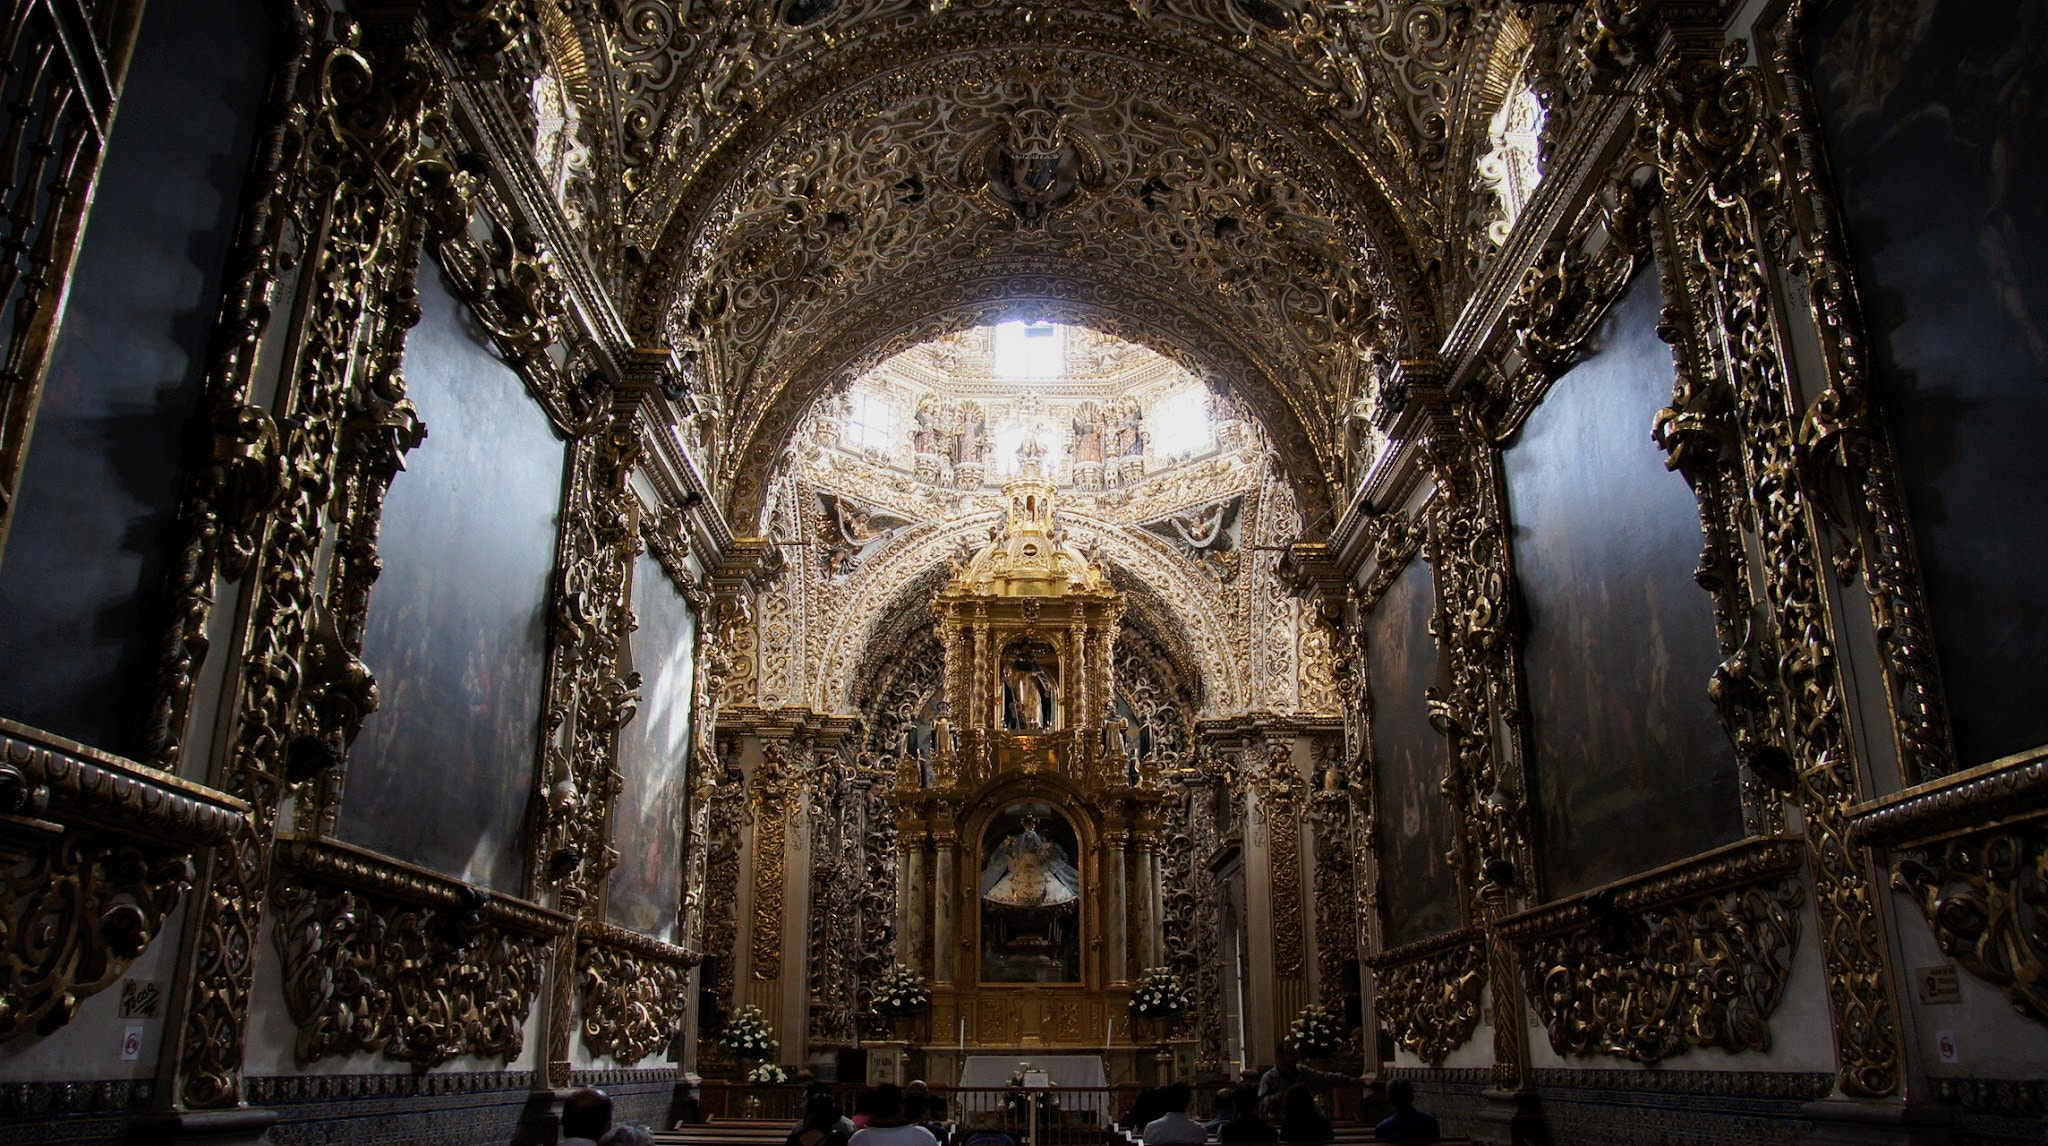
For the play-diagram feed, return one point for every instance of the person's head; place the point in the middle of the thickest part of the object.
(587, 1113)
(1286, 1057)
(1174, 1099)
(1401, 1093)
(1247, 1102)
(864, 1102)
(1300, 1103)
(914, 1107)
(1226, 1101)
(886, 1104)
(916, 1086)
(821, 1109)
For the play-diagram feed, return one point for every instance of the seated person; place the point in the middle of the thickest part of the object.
(586, 1115)
(1247, 1126)
(1288, 1070)
(1300, 1121)
(934, 1106)
(887, 1123)
(1174, 1127)
(1226, 1109)
(1406, 1124)
(823, 1125)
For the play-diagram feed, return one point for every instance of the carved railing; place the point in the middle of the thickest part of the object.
(1428, 993)
(98, 853)
(382, 956)
(1695, 954)
(634, 991)
(1972, 851)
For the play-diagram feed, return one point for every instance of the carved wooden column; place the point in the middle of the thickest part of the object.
(945, 891)
(1114, 911)
(911, 904)
(1148, 953)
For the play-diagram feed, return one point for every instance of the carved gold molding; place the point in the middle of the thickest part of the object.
(382, 956)
(1972, 851)
(97, 853)
(1428, 993)
(773, 796)
(67, 60)
(1695, 954)
(634, 991)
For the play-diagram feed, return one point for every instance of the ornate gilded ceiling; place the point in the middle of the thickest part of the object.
(1267, 190)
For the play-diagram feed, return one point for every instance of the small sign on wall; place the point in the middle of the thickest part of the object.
(131, 1044)
(1945, 1047)
(1938, 984)
(141, 998)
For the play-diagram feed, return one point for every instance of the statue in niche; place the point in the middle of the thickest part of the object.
(1030, 893)
(1029, 870)
(1088, 435)
(1030, 696)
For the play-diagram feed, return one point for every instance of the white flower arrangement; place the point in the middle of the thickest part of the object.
(1315, 1032)
(748, 1037)
(1160, 995)
(901, 991)
(767, 1072)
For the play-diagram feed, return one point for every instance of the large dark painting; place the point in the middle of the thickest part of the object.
(1936, 118)
(654, 749)
(1418, 885)
(1632, 768)
(1030, 895)
(442, 773)
(81, 613)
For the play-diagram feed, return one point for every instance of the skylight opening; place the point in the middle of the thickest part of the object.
(875, 423)
(1179, 423)
(1030, 350)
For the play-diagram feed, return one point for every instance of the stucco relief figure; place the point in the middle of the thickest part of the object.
(1029, 870)
(1030, 702)
(1088, 436)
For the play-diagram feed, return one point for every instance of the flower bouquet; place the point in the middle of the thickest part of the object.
(1315, 1033)
(767, 1072)
(1160, 995)
(748, 1037)
(901, 993)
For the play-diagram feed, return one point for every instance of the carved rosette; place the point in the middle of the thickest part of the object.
(1694, 956)
(378, 956)
(1428, 994)
(634, 991)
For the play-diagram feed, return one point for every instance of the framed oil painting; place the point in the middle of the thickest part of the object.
(1419, 894)
(1631, 767)
(648, 821)
(442, 774)
(1936, 122)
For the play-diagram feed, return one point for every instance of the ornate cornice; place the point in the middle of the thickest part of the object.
(2013, 787)
(47, 775)
(1428, 993)
(347, 866)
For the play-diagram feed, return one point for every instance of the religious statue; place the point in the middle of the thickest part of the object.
(1114, 736)
(942, 735)
(1029, 697)
(1029, 870)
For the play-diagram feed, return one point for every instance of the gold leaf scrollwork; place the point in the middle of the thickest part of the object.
(379, 957)
(1428, 994)
(1982, 893)
(74, 912)
(634, 992)
(1654, 968)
